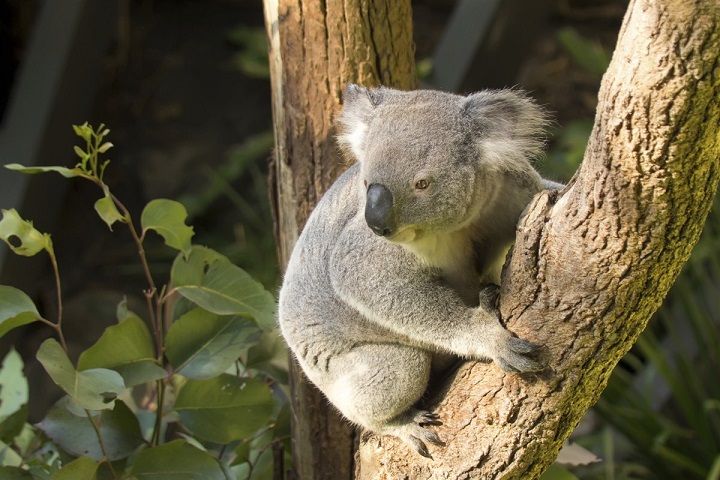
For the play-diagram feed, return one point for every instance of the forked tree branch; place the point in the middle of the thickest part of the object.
(591, 265)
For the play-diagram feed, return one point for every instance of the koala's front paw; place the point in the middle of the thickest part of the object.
(517, 355)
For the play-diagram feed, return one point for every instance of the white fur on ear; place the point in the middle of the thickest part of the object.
(355, 138)
(354, 120)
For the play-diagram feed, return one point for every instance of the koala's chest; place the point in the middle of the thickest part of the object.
(454, 255)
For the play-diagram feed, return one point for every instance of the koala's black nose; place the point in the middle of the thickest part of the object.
(379, 210)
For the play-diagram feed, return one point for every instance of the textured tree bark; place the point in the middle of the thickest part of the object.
(592, 264)
(316, 48)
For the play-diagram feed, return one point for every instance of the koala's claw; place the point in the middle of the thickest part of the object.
(415, 434)
(519, 356)
(424, 418)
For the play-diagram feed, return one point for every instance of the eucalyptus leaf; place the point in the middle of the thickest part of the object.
(176, 460)
(14, 473)
(64, 171)
(126, 348)
(21, 236)
(224, 408)
(106, 208)
(9, 457)
(269, 355)
(82, 468)
(75, 434)
(201, 344)
(93, 389)
(16, 309)
(167, 218)
(215, 284)
(83, 131)
(12, 425)
(13, 385)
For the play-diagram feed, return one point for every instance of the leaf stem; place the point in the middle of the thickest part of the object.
(96, 427)
(159, 412)
(56, 271)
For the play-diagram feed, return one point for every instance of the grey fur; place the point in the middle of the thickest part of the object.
(366, 315)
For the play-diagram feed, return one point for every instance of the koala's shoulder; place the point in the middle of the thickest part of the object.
(335, 209)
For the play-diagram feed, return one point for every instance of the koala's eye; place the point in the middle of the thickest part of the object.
(421, 184)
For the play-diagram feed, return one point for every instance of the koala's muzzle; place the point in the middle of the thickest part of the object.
(379, 210)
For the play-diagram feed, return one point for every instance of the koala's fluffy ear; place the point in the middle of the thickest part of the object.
(507, 122)
(358, 109)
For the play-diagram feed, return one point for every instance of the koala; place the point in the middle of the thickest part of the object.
(397, 265)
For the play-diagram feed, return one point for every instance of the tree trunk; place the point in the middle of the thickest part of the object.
(316, 48)
(592, 264)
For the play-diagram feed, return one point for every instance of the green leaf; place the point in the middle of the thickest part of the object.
(167, 218)
(21, 236)
(224, 408)
(14, 473)
(13, 425)
(75, 434)
(591, 56)
(557, 472)
(13, 385)
(64, 171)
(83, 131)
(16, 309)
(105, 207)
(270, 355)
(211, 281)
(82, 468)
(105, 146)
(126, 348)
(94, 389)
(201, 344)
(176, 460)
(8, 456)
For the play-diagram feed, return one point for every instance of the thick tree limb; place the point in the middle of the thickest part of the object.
(590, 266)
(316, 48)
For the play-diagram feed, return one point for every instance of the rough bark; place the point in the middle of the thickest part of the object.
(316, 48)
(592, 264)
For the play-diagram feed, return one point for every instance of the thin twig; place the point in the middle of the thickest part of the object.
(58, 326)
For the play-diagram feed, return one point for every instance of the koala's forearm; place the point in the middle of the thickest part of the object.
(418, 308)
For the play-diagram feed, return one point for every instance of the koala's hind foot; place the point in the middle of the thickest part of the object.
(411, 427)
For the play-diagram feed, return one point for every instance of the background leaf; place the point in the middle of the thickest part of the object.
(211, 281)
(269, 355)
(224, 408)
(201, 344)
(94, 389)
(13, 385)
(126, 348)
(105, 207)
(74, 433)
(82, 468)
(14, 230)
(14, 473)
(167, 218)
(176, 460)
(65, 172)
(16, 309)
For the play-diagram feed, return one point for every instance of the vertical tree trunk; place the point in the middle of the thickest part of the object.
(316, 48)
(592, 264)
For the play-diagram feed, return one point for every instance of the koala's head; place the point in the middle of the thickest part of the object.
(430, 160)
